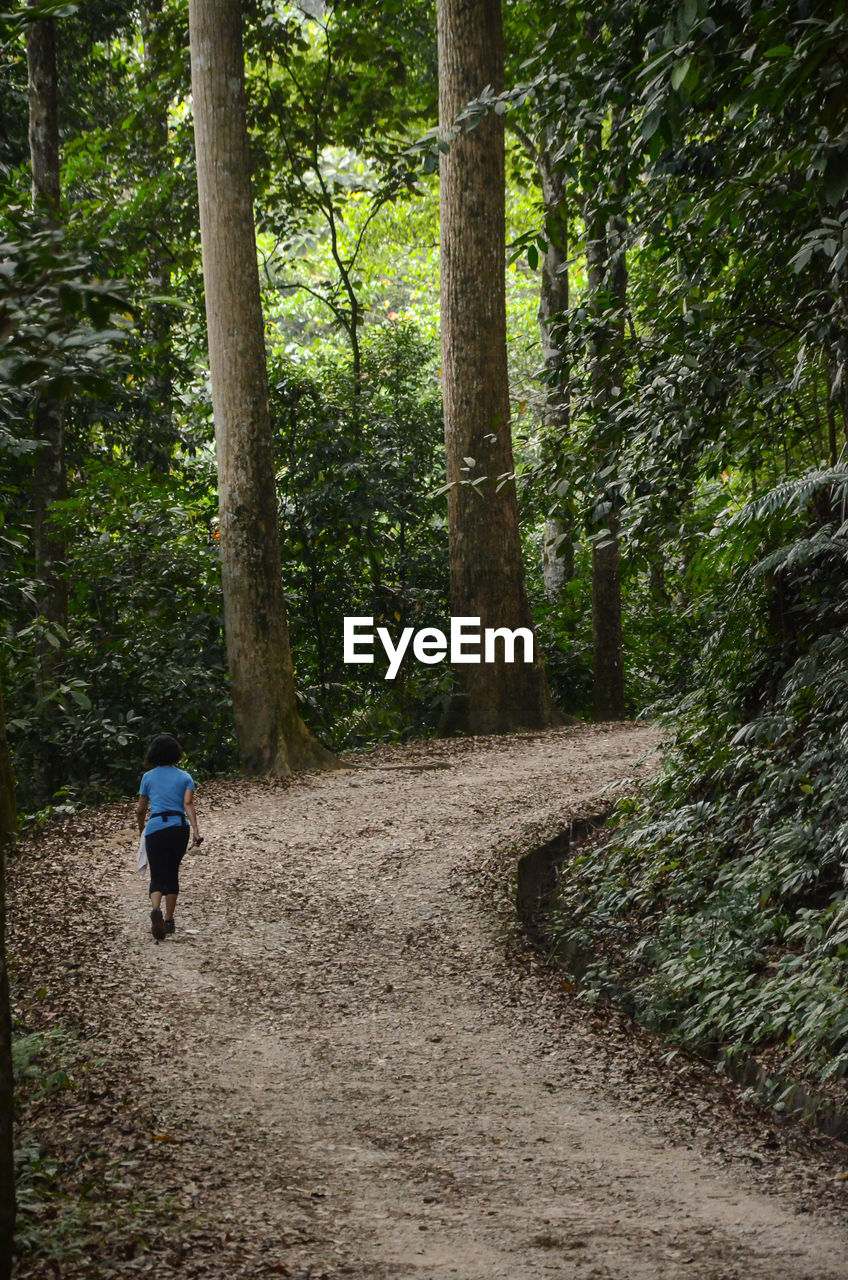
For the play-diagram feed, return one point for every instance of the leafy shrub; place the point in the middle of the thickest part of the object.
(144, 649)
(723, 900)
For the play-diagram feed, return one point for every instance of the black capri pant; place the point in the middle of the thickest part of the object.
(165, 850)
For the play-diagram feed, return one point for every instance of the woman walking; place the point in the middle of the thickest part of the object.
(168, 793)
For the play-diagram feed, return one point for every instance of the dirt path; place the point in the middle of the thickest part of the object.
(344, 1073)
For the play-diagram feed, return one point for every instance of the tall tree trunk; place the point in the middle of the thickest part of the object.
(43, 115)
(7, 1164)
(271, 734)
(49, 479)
(161, 437)
(487, 574)
(558, 546)
(607, 285)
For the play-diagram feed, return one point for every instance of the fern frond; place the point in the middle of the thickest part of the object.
(802, 552)
(793, 496)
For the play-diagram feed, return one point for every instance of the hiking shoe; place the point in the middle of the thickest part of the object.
(157, 924)
(170, 927)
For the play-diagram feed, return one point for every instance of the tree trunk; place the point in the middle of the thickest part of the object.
(557, 554)
(49, 485)
(7, 1164)
(272, 737)
(607, 285)
(161, 437)
(487, 574)
(43, 116)
(558, 546)
(49, 478)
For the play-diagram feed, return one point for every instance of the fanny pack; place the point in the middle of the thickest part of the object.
(171, 813)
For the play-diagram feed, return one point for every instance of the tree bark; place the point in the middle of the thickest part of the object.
(272, 737)
(557, 555)
(43, 115)
(7, 1164)
(161, 437)
(487, 574)
(607, 286)
(558, 545)
(49, 478)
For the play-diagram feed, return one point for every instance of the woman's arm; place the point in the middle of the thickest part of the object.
(191, 813)
(141, 812)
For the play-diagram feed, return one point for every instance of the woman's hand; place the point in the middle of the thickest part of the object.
(191, 814)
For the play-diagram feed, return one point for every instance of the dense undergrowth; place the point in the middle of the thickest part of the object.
(720, 901)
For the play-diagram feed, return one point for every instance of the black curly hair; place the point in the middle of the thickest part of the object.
(162, 750)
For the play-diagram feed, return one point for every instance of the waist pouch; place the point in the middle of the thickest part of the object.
(171, 813)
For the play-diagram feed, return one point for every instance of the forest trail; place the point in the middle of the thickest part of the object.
(344, 1071)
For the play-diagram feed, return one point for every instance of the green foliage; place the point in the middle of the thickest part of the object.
(722, 903)
(143, 651)
(332, 139)
(564, 630)
(35, 1059)
(716, 163)
(57, 323)
(358, 460)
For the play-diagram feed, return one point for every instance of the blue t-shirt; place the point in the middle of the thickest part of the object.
(165, 787)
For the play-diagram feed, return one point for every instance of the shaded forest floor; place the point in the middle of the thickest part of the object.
(347, 1062)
